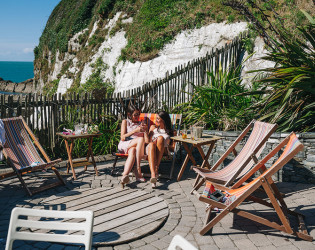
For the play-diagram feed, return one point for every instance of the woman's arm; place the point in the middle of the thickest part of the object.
(123, 130)
(151, 132)
(146, 135)
(171, 147)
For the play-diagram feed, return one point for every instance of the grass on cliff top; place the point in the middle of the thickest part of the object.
(155, 23)
(158, 22)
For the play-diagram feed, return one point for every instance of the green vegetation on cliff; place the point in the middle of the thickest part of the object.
(155, 23)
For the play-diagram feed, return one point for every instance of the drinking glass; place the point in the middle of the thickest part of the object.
(184, 134)
(192, 134)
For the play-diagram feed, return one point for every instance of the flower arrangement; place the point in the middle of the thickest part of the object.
(93, 129)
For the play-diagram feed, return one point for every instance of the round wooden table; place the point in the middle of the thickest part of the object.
(120, 215)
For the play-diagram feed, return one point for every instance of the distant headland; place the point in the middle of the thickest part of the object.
(24, 87)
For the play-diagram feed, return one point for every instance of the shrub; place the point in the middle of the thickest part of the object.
(219, 104)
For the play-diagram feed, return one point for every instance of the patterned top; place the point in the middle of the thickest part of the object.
(132, 126)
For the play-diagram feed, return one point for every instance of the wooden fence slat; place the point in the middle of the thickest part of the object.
(47, 114)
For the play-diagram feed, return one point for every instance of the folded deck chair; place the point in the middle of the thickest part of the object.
(243, 161)
(176, 120)
(236, 195)
(21, 154)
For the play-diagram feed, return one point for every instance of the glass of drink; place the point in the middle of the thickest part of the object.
(192, 135)
(184, 132)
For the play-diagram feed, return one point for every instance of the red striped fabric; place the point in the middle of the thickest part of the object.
(18, 146)
(259, 132)
(151, 118)
(292, 144)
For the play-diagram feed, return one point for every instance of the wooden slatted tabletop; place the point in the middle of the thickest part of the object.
(120, 215)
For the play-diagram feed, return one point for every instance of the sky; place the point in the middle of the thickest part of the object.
(21, 25)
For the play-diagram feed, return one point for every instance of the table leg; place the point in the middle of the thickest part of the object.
(69, 151)
(206, 157)
(188, 156)
(90, 153)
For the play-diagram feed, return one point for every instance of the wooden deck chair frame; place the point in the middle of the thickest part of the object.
(176, 120)
(21, 171)
(250, 159)
(75, 220)
(265, 181)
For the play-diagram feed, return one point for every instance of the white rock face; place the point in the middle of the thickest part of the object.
(255, 62)
(65, 84)
(186, 46)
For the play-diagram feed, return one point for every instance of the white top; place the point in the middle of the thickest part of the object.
(161, 132)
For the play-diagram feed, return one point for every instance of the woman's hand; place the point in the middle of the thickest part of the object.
(143, 127)
(137, 130)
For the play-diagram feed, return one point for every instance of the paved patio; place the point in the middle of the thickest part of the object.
(186, 214)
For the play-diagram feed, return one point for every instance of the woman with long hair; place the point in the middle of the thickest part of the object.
(132, 142)
(159, 140)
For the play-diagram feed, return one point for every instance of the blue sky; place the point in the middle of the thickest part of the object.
(21, 25)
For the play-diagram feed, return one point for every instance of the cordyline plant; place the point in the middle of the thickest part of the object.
(217, 104)
(289, 86)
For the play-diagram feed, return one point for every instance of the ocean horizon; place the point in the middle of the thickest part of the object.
(16, 71)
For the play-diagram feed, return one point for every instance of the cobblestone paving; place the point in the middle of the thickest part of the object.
(186, 214)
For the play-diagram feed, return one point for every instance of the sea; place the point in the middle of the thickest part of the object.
(16, 71)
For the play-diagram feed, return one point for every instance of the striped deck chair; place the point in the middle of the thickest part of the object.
(243, 161)
(21, 154)
(176, 120)
(237, 194)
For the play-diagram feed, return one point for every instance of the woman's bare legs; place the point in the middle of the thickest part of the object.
(138, 144)
(130, 161)
(139, 155)
(128, 166)
(152, 158)
(160, 152)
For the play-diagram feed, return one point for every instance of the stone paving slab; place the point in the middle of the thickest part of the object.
(186, 213)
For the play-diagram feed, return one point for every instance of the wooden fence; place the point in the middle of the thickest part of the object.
(176, 87)
(47, 115)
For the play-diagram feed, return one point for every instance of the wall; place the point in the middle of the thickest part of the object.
(300, 169)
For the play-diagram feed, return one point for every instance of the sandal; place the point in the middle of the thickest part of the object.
(142, 180)
(124, 180)
(139, 176)
(153, 182)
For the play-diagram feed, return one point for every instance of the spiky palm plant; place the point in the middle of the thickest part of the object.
(217, 104)
(291, 83)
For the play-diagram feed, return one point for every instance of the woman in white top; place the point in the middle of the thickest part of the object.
(159, 140)
(132, 143)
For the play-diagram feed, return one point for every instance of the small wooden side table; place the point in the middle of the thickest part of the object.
(197, 143)
(70, 139)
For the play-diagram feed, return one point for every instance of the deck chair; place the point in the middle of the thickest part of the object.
(243, 161)
(23, 219)
(237, 193)
(22, 156)
(176, 120)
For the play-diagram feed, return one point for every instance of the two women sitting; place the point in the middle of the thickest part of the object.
(137, 139)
